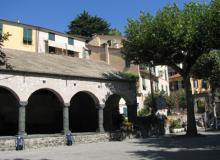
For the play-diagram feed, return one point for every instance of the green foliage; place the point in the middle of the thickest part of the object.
(175, 36)
(87, 25)
(177, 100)
(175, 124)
(115, 31)
(148, 100)
(207, 67)
(129, 75)
(144, 112)
(201, 106)
(3, 37)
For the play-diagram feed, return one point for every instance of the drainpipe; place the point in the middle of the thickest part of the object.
(37, 40)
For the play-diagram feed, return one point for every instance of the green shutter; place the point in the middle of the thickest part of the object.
(51, 36)
(27, 36)
(1, 28)
(70, 41)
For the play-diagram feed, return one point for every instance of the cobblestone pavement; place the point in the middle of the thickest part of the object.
(205, 147)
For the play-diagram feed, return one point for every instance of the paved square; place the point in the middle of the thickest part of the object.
(180, 148)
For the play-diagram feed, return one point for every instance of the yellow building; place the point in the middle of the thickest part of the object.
(197, 85)
(22, 37)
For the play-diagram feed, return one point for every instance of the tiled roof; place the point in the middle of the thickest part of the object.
(24, 61)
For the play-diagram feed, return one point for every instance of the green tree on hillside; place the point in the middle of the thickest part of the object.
(87, 25)
(115, 31)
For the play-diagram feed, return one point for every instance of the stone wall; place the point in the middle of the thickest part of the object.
(34, 142)
(23, 85)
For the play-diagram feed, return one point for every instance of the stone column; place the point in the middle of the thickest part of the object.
(66, 118)
(132, 112)
(100, 118)
(22, 117)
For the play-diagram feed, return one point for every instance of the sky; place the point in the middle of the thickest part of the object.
(57, 14)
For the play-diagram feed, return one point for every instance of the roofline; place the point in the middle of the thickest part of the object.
(63, 75)
(43, 29)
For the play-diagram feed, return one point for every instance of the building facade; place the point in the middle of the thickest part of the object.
(52, 87)
(108, 48)
(41, 40)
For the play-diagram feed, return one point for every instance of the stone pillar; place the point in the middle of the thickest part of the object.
(132, 112)
(100, 118)
(66, 118)
(22, 117)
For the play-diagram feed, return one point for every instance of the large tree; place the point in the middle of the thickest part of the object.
(175, 36)
(87, 25)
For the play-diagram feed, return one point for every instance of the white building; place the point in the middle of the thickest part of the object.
(54, 42)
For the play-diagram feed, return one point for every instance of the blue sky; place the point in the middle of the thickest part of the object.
(56, 14)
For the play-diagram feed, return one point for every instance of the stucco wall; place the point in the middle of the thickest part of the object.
(60, 42)
(65, 88)
(15, 41)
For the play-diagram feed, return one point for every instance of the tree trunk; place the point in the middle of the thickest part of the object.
(191, 122)
(214, 105)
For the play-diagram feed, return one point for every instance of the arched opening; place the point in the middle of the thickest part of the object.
(115, 112)
(44, 113)
(9, 105)
(83, 115)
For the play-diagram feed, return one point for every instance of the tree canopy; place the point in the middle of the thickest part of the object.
(207, 67)
(115, 31)
(87, 25)
(175, 36)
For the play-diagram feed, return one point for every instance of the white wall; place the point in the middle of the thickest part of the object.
(25, 85)
(60, 42)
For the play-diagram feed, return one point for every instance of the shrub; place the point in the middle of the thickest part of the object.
(175, 124)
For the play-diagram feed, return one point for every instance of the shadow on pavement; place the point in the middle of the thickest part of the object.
(179, 147)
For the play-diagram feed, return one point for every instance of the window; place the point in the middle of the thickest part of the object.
(52, 50)
(125, 111)
(144, 87)
(27, 36)
(165, 72)
(70, 41)
(51, 36)
(71, 53)
(182, 84)
(176, 87)
(195, 83)
(204, 84)
(162, 89)
(127, 64)
(1, 28)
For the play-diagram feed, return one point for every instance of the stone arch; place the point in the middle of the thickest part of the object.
(83, 113)
(58, 95)
(9, 106)
(12, 92)
(44, 112)
(113, 117)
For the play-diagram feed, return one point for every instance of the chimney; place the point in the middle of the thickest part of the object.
(106, 53)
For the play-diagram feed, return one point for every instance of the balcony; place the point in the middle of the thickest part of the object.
(144, 71)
